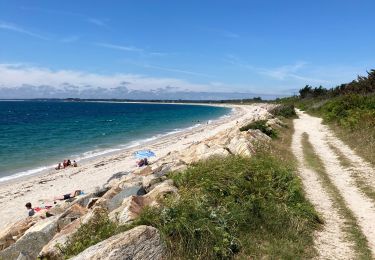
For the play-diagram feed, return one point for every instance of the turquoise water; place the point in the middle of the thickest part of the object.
(35, 135)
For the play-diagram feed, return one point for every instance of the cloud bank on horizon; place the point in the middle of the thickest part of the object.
(242, 50)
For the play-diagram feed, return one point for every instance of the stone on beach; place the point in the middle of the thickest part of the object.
(33, 240)
(142, 242)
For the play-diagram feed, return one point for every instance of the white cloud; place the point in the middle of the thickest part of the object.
(15, 75)
(18, 29)
(119, 47)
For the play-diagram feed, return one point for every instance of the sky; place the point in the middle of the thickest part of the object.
(191, 49)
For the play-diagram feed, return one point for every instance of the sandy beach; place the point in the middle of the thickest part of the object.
(94, 173)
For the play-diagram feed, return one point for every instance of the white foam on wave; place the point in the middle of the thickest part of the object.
(24, 173)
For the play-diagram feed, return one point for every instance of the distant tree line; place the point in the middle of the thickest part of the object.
(362, 85)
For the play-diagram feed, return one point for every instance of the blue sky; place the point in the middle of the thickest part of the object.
(257, 47)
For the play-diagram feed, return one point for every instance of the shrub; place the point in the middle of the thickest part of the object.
(262, 126)
(89, 234)
(286, 111)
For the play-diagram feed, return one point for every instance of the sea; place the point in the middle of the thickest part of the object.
(36, 135)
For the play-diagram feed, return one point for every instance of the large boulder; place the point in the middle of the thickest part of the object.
(51, 250)
(33, 240)
(142, 242)
(239, 145)
(132, 206)
(70, 215)
(9, 235)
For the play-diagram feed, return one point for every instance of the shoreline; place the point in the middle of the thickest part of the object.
(95, 172)
(113, 150)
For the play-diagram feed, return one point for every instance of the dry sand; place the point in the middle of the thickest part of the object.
(94, 173)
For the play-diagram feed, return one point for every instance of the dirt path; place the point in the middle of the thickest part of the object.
(362, 207)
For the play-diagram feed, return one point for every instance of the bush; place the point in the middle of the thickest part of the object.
(286, 111)
(226, 202)
(89, 234)
(262, 126)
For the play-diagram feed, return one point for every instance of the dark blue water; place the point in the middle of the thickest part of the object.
(36, 134)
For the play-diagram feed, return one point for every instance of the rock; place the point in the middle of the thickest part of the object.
(116, 201)
(92, 202)
(33, 240)
(128, 211)
(142, 242)
(70, 215)
(51, 250)
(9, 235)
(132, 206)
(239, 145)
(23, 256)
(150, 181)
(215, 151)
(115, 178)
(143, 171)
(256, 136)
(275, 123)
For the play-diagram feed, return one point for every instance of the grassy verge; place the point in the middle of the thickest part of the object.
(361, 183)
(351, 228)
(230, 207)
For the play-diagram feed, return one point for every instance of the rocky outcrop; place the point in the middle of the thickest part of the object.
(10, 235)
(132, 206)
(142, 242)
(51, 250)
(33, 240)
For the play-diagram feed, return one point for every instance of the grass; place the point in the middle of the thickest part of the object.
(284, 110)
(232, 207)
(361, 183)
(262, 126)
(238, 207)
(351, 226)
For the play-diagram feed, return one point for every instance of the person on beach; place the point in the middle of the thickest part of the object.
(68, 162)
(75, 164)
(65, 164)
(58, 166)
(69, 195)
(30, 209)
(142, 162)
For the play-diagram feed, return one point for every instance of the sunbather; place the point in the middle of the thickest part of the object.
(69, 195)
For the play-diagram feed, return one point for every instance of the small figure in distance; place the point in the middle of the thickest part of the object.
(75, 164)
(68, 162)
(69, 195)
(30, 209)
(65, 163)
(58, 166)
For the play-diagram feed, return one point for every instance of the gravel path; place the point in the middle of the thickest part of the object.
(330, 242)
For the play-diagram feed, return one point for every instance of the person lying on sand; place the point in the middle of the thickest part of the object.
(69, 195)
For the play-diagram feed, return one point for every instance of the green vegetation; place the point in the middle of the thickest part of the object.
(360, 181)
(285, 110)
(230, 205)
(349, 109)
(89, 234)
(262, 126)
(351, 226)
(227, 208)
